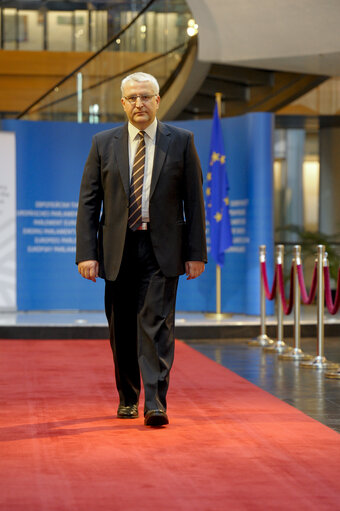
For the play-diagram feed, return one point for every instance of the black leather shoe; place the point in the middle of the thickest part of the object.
(156, 418)
(127, 412)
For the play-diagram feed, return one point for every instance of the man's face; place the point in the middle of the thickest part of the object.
(141, 113)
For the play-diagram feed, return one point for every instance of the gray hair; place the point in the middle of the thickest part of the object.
(140, 77)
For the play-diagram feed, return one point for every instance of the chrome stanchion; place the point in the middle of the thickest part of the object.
(320, 361)
(262, 339)
(331, 374)
(279, 346)
(296, 353)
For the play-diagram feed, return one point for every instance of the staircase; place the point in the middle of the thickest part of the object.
(247, 90)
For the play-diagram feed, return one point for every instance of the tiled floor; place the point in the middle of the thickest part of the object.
(97, 318)
(306, 389)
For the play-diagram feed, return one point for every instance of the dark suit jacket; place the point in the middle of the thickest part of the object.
(177, 219)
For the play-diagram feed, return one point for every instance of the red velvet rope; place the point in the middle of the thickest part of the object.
(287, 307)
(269, 294)
(332, 308)
(307, 300)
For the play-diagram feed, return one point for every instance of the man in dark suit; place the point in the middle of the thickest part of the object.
(140, 225)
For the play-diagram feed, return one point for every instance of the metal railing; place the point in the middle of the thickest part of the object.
(91, 92)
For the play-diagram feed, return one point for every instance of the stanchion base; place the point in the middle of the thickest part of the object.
(277, 347)
(333, 374)
(295, 354)
(218, 315)
(319, 363)
(261, 340)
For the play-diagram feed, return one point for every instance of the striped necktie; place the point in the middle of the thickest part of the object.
(136, 185)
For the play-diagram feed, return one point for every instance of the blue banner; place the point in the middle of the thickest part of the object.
(50, 162)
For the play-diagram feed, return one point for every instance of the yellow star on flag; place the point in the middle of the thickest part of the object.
(226, 201)
(214, 157)
(208, 191)
(218, 216)
(209, 176)
(222, 159)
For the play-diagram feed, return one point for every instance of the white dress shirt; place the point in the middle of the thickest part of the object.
(150, 142)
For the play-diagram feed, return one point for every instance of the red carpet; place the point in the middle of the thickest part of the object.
(230, 446)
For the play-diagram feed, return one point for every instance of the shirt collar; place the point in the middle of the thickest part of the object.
(150, 130)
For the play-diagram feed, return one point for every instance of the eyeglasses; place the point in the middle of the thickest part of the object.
(144, 98)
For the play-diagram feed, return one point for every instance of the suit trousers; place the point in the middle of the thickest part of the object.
(140, 309)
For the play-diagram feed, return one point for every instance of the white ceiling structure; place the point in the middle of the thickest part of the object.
(286, 35)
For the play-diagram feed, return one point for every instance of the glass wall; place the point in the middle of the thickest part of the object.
(154, 40)
(89, 29)
(31, 30)
(76, 30)
(297, 192)
(296, 181)
(60, 32)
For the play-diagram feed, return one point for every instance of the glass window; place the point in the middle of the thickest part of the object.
(10, 29)
(311, 179)
(296, 180)
(81, 30)
(99, 29)
(59, 31)
(31, 30)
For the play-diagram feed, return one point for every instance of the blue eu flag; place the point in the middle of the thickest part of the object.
(217, 194)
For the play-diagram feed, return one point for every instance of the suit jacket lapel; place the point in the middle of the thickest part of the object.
(121, 152)
(162, 144)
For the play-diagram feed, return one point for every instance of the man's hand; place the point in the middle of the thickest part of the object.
(194, 269)
(89, 270)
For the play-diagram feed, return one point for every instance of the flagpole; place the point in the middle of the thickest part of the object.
(218, 290)
(218, 314)
(218, 96)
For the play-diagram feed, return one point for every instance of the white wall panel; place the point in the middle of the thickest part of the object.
(8, 298)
